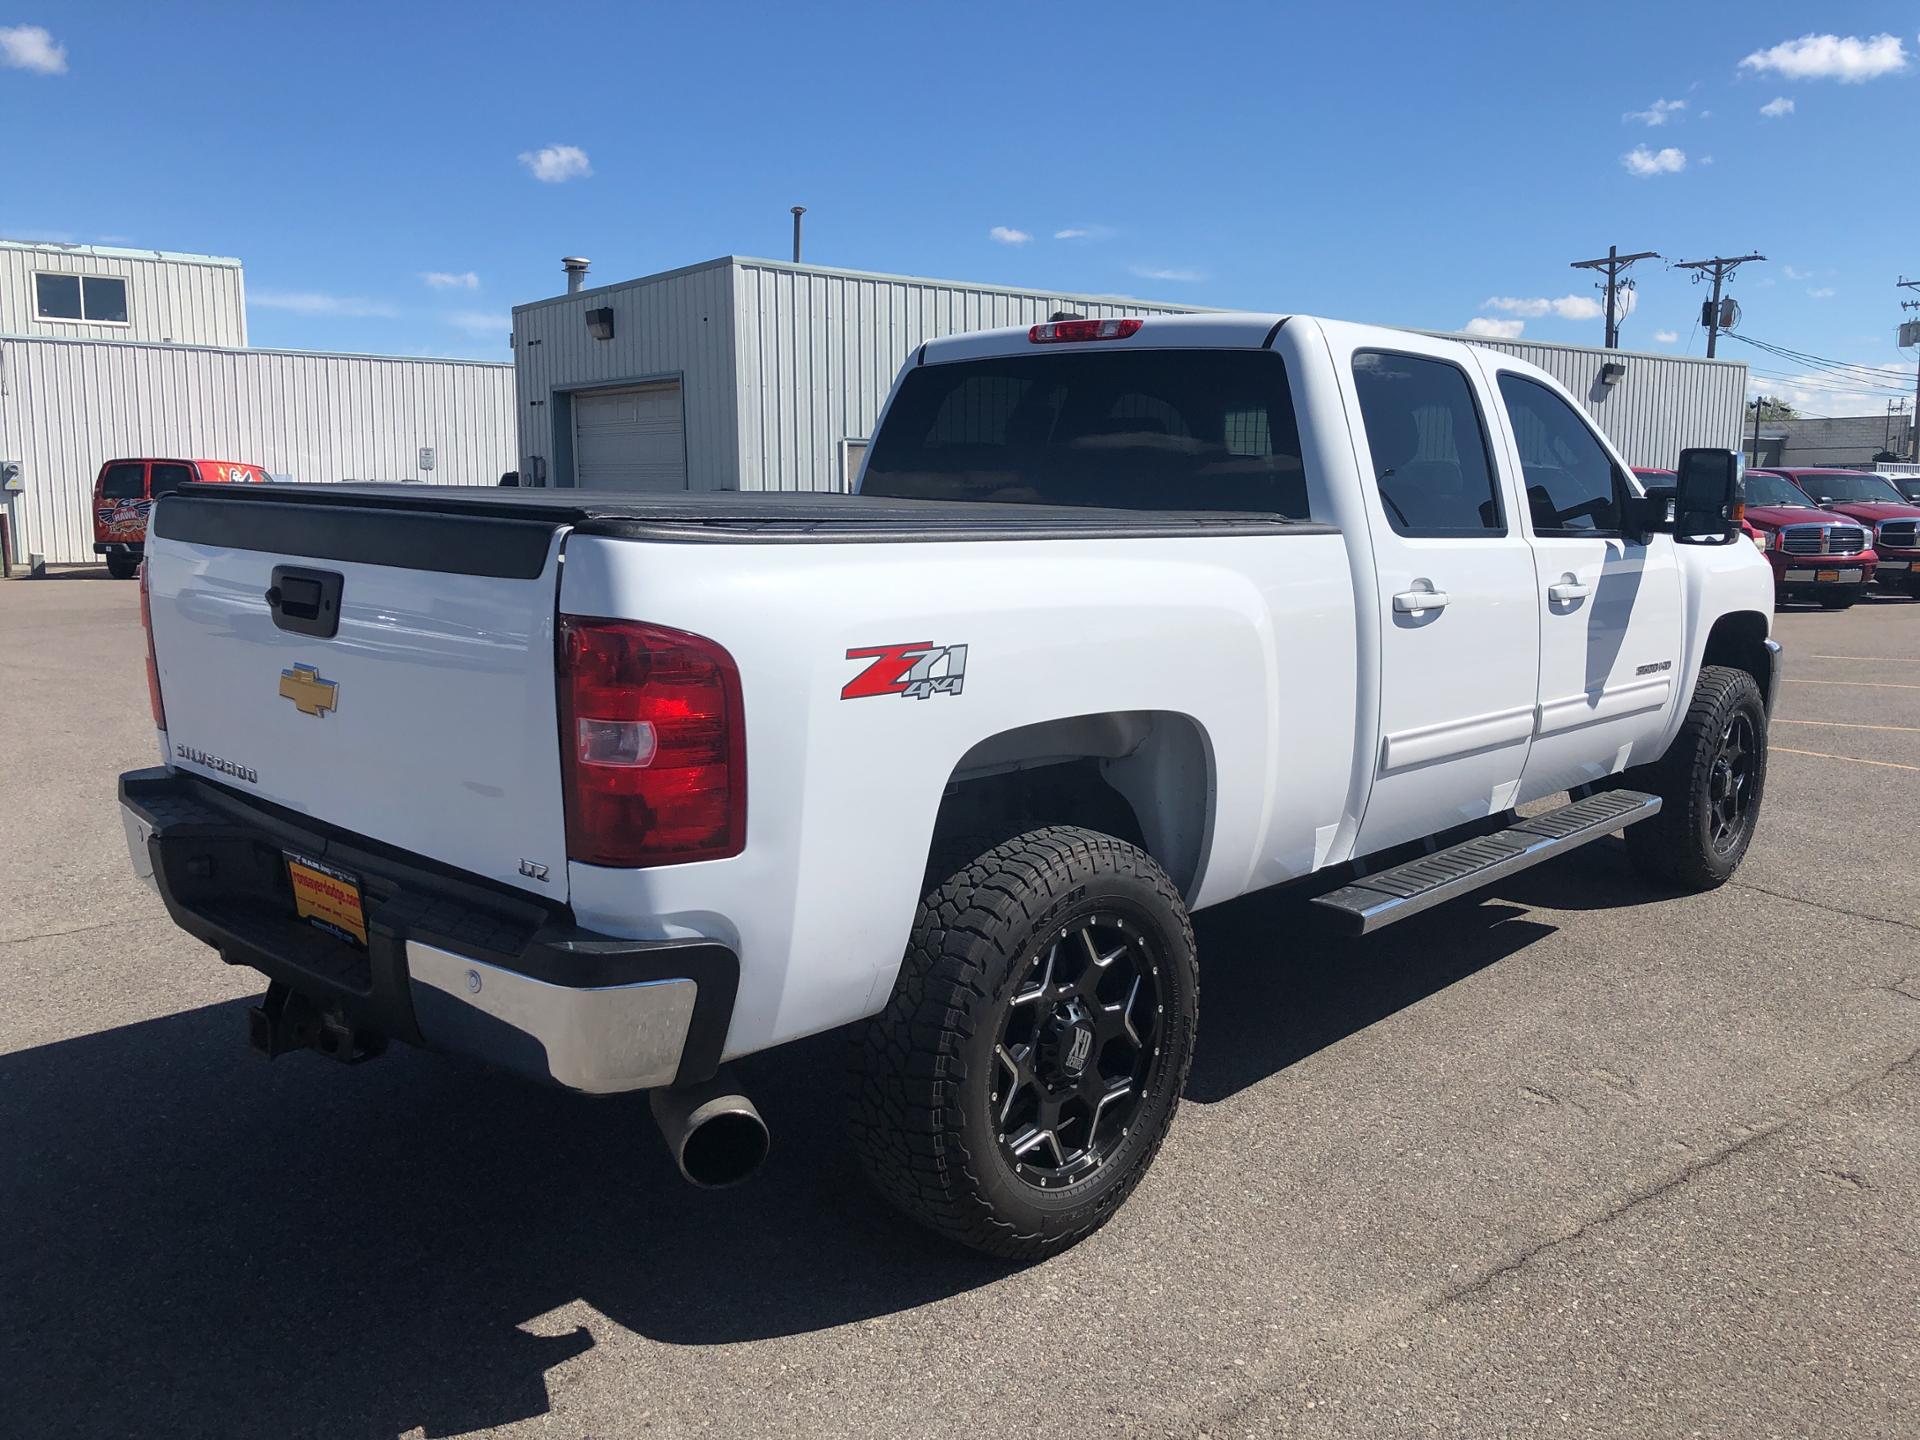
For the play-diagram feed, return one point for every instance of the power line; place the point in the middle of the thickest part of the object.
(1721, 267)
(1616, 265)
(1858, 377)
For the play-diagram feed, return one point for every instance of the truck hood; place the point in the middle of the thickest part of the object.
(1872, 512)
(1772, 517)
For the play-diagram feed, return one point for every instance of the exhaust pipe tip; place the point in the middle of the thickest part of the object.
(716, 1136)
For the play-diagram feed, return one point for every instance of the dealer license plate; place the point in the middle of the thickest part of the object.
(327, 897)
(1895, 565)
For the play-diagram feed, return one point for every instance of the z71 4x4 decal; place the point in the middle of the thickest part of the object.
(918, 669)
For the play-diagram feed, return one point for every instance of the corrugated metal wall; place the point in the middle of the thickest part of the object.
(1662, 405)
(66, 406)
(819, 350)
(185, 300)
(676, 326)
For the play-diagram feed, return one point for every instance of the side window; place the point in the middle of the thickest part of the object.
(168, 478)
(1573, 487)
(1428, 445)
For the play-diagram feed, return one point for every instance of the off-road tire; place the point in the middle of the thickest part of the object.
(922, 1118)
(123, 567)
(1676, 846)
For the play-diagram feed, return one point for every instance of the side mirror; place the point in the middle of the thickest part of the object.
(1709, 496)
(1650, 514)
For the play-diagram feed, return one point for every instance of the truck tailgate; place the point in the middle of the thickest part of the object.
(427, 720)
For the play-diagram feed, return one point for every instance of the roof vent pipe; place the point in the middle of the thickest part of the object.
(576, 268)
(798, 211)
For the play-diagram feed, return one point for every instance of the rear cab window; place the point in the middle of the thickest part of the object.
(169, 476)
(126, 480)
(1179, 430)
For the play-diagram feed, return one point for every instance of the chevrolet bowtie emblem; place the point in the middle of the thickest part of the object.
(310, 694)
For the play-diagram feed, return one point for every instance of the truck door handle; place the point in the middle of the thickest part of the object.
(1567, 592)
(1413, 602)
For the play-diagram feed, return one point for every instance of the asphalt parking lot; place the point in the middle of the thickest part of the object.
(1571, 1159)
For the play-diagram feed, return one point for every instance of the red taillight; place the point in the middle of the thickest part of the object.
(1056, 332)
(153, 666)
(652, 744)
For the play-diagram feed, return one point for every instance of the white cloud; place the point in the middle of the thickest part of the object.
(1085, 232)
(444, 280)
(482, 324)
(1821, 292)
(315, 302)
(30, 47)
(1776, 107)
(1007, 235)
(1495, 329)
(1845, 58)
(557, 163)
(1642, 161)
(1706, 159)
(1567, 307)
(1666, 337)
(1792, 274)
(1176, 275)
(1657, 113)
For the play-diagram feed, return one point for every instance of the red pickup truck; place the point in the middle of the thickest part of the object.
(1816, 554)
(1891, 519)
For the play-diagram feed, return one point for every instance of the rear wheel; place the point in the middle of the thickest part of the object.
(123, 567)
(1709, 782)
(1840, 600)
(1028, 1065)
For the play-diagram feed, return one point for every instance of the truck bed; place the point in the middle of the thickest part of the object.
(219, 514)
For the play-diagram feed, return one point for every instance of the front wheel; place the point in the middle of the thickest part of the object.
(123, 567)
(1020, 1080)
(1842, 600)
(1709, 782)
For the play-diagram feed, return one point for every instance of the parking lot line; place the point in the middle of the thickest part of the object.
(1865, 684)
(1850, 759)
(1847, 725)
(1882, 659)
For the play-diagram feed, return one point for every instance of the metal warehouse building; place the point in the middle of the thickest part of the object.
(107, 353)
(758, 374)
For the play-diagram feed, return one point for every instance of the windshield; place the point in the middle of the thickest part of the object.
(1846, 487)
(1909, 486)
(1132, 429)
(1772, 490)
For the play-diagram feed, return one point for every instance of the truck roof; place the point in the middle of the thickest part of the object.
(1228, 330)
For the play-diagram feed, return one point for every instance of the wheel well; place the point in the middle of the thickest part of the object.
(1739, 640)
(1143, 776)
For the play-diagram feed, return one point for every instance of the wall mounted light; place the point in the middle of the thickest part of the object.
(600, 324)
(1612, 373)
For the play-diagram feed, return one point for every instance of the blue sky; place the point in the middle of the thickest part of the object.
(380, 168)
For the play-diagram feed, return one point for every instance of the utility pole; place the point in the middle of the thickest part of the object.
(1721, 267)
(1616, 265)
(1914, 430)
(1757, 401)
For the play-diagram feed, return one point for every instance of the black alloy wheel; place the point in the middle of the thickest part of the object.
(1077, 1050)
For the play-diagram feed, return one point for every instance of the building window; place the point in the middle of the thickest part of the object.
(93, 299)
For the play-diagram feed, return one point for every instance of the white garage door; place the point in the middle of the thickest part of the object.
(629, 439)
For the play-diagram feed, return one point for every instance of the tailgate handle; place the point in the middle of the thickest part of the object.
(306, 602)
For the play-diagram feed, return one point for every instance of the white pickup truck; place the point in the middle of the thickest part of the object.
(1129, 617)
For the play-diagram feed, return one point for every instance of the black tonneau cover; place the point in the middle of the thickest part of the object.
(725, 515)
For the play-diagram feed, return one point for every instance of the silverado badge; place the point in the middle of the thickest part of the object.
(310, 694)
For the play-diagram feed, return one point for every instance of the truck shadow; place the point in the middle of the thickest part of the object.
(201, 1243)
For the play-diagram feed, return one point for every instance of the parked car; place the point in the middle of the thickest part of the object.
(1129, 617)
(1816, 554)
(1907, 485)
(125, 490)
(1894, 520)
